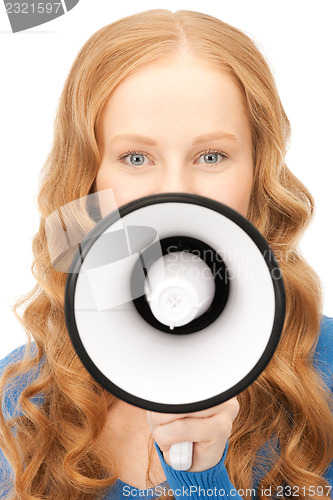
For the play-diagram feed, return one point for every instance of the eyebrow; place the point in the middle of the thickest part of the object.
(133, 137)
(197, 140)
(216, 135)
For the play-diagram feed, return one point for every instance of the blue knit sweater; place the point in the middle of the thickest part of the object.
(215, 482)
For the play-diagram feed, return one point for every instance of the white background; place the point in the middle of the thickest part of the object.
(296, 38)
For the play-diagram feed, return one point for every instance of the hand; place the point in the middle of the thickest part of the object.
(209, 431)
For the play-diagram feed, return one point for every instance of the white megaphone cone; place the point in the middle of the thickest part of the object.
(175, 304)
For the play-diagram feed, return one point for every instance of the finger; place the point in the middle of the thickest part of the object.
(210, 430)
(231, 407)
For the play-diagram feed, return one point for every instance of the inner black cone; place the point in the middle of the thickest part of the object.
(178, 244)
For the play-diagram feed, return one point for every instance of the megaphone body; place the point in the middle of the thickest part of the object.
(186, 292)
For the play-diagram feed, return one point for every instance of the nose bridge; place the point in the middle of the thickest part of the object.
(175, 176)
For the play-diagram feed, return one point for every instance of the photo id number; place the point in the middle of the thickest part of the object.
(32, 8)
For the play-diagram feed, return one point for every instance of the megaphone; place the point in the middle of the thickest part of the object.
(175, 303)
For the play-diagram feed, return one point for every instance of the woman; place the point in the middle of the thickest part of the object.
(163, 102)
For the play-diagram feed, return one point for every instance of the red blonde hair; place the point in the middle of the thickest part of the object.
(55, 452)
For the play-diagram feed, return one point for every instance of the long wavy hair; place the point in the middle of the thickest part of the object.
(54, 450)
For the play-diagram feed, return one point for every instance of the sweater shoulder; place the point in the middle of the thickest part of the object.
(16, 355)
(19, 381)
(324, 350)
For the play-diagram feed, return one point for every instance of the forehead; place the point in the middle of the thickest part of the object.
(184, 93)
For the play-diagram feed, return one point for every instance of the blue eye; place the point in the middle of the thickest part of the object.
(137, 159)
(133, 158)
(211, 157)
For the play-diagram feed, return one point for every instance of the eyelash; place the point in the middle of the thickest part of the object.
(123, 157)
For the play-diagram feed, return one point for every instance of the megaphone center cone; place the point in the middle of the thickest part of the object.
(175, 301)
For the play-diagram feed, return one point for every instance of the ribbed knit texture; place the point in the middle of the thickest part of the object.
(212, 483)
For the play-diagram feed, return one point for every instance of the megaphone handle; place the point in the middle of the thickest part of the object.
(181, 455)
